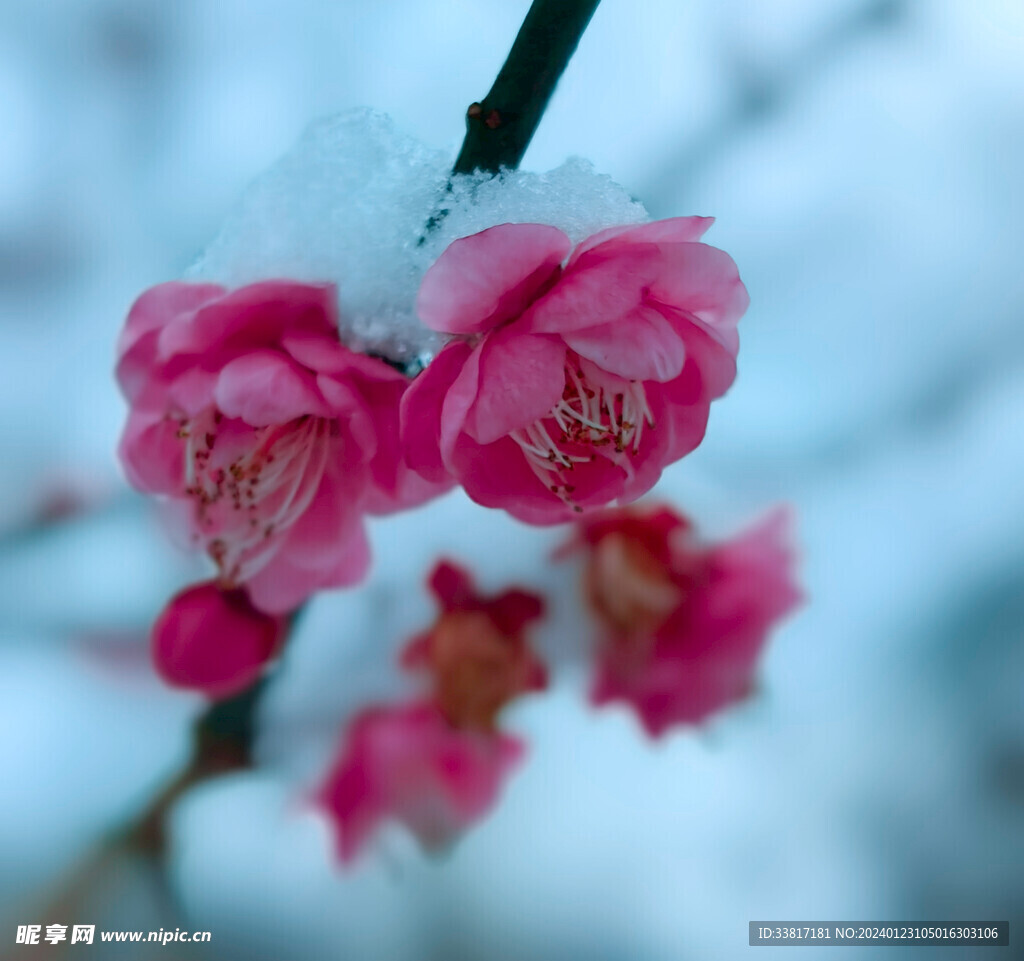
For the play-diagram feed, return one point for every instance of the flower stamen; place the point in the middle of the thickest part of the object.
(262, 492)
(590, 420)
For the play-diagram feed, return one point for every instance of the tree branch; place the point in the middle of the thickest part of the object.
(222, 742)
(499, 127)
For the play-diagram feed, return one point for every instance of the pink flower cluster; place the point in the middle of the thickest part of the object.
(572, 377)
(437, 764)
(270, 441)
(682, 626)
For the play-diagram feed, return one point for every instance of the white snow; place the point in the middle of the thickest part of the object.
(350, 205)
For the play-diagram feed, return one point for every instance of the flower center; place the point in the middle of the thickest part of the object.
(477, 669)
(249, 484)
(599, 415)
(629, 588)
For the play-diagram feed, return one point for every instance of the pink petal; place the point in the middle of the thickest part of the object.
(159, 305)
(754, 571)
(152, 454)
(484, 279)
(521, 378)
(192, 391)
(703, 281)
(408, 764)
(458, 400)
(610, 286)
(254, 316)
(674, 230)
(214, 641)
(327, 355)
(705, 655)
(642, 345)
(284, 585)
(393, 486)
(514, 609)
(685, 420)
(452, 586)
(349, 406)
(713, 352)
(708, 372)
(401, 489)
(264, 387)
(613, 279)
(498, 476)
(326, 548)
(420, 412)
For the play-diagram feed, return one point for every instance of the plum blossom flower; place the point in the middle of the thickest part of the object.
(567, 388)
(267, 436)
(682, 624)
(409, 764)
(214, 640)
(437, 765)
(476, 652)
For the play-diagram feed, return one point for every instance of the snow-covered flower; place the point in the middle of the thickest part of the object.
(437, 765)
(565, 389)
(268, 435)
(682, 624)
(214, 641)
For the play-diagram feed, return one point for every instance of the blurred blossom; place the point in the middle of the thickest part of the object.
(477, 654)
(437, 765)
(683, 624)
(409, 763)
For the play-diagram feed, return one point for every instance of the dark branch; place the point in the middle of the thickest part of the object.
(222, 742)
(499, 128)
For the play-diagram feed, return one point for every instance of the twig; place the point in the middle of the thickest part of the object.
(222, 742)
(499, 127)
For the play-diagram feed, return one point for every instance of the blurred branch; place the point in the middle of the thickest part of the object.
(499, 127)
(59, 510)
(760, 93)
(222, 742)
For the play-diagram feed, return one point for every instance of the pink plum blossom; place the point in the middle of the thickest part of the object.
(476, 651)
(437, 765)
(683, 624)
(214, 641)
(573, 377)
(267, 436)
(409, 764)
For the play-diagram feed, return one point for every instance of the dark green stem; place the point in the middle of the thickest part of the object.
(499, 127)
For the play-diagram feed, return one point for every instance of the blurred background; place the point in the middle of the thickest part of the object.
(863, 158)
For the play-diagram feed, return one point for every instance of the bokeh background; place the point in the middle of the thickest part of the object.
(863, 158)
